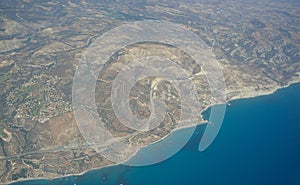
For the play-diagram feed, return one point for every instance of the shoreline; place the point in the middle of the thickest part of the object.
(251, 94)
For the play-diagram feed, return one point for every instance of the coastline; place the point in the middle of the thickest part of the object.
(248, 95)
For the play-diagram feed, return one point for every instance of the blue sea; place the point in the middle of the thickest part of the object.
(258, 144)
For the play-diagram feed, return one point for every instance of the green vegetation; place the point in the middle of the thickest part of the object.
(37, 108)
(25, 91)
(5, 77)
(2, 134)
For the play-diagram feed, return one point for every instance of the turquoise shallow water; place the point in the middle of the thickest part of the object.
(259, 143)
